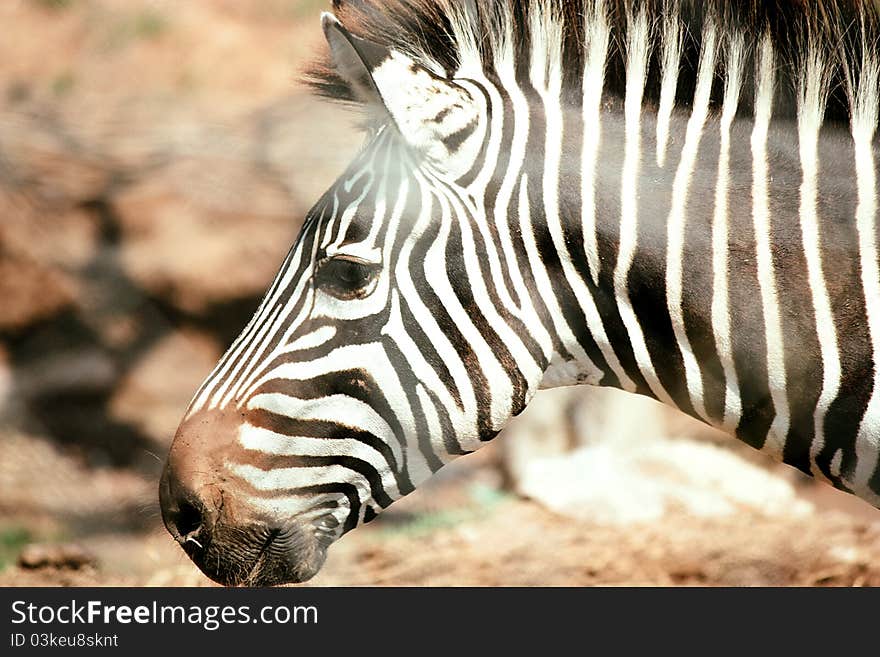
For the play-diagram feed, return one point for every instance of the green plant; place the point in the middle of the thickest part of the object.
(63, 83)
(125, 28)
(54, 4)
(12, 540)
(149, 25)
(485, 500)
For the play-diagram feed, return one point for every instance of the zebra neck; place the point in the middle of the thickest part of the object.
(721, 278)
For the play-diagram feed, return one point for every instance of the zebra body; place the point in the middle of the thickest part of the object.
(651, 197)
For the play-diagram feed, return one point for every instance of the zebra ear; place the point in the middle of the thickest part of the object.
(354, 58)
(435, 115)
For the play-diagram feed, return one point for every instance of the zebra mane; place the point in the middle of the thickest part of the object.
(470, 38)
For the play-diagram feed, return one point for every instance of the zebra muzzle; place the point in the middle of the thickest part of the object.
(231, 541)
(237, 548)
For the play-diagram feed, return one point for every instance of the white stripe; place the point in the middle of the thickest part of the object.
(636, 74)
(373, 358)
(475, 198)
(306, 508)
(227, 391)
(677, 221)
(762, 223)
(351, 208)
(390, 157)
(811, 111)
(310, 340)
(243, 348)
(669, 83)
(245, 342)
(501, 388)
(435, 430)
(325, 306)
(598, 38)
(864, 125)
(279, 479)
(464, 422)
(524, 360)
(720, 236)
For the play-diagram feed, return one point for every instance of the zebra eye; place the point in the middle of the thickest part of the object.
(346, 277)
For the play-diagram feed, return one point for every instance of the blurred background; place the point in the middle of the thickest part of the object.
(156, 159)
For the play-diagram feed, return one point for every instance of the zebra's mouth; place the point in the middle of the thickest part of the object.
(263, 556)
(286, 556)
(236, 552)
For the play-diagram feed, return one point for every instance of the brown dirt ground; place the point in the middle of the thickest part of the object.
(463, 530)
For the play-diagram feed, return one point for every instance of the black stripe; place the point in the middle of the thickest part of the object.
(802, 354)
(455, 256)
(518, 380)
(838, 199)
(349, 490)
(748, 332)
(409, 384)
(242, 365)
(502, 164)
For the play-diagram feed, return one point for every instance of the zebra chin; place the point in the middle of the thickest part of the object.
(208, 512)
(257, 555)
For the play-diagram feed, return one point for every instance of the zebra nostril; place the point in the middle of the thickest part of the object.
(187, 521)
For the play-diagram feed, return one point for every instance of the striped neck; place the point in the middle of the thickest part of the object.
(722, 261)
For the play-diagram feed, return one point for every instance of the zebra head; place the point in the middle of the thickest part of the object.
(378, 354)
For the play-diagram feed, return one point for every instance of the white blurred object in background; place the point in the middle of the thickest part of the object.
(613, 458)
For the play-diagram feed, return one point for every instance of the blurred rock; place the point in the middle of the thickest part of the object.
(632, 483)
(65, 556)
(62, 244)
(74, 492)
(561, 420)
(196, 241)
(30, 291)
(67, 239)
(6, 381)
(308, 161)
(154, 394)
(81, 371)
(42, 251)
(43, 154)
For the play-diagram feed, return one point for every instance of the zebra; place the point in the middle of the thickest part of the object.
(671, 197)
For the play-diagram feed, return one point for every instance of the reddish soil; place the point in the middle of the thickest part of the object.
(461, 530)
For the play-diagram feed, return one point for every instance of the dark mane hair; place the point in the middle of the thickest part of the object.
(430, 32)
